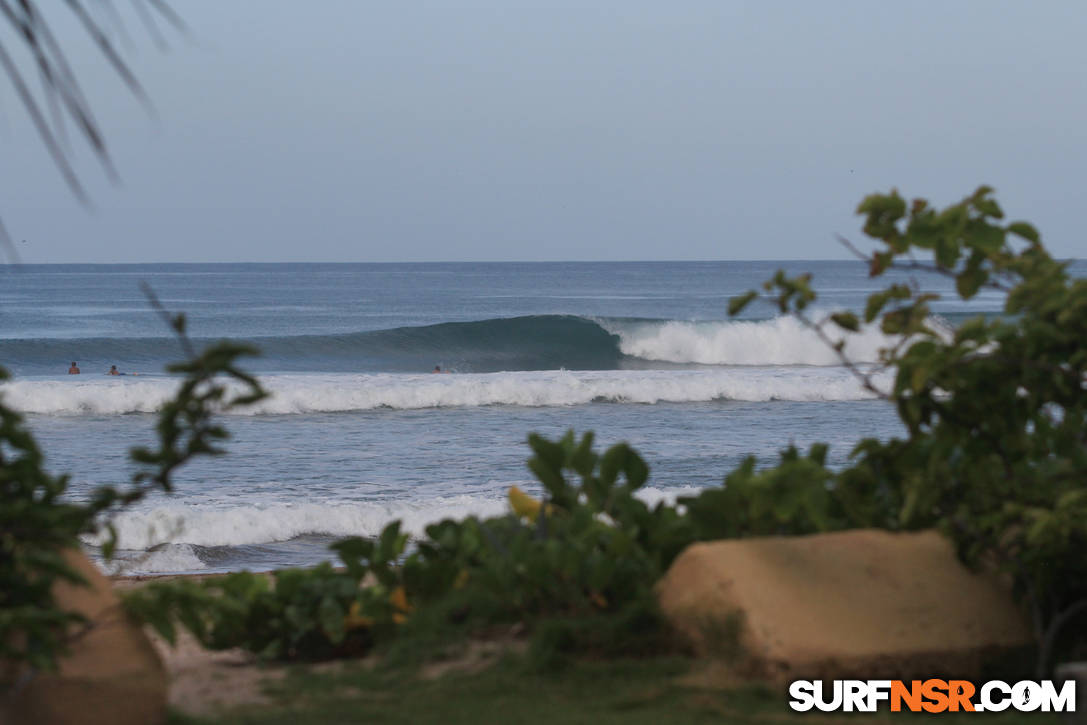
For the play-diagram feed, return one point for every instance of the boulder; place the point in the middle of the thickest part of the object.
(858, 604)
(110, 675)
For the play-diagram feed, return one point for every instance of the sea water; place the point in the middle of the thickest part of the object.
(359, 431)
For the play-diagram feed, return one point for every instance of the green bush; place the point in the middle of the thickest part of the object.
(291, 614)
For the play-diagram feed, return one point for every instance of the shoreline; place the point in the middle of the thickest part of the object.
(132, 581)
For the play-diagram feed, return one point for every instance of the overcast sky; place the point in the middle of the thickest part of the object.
(420, 131)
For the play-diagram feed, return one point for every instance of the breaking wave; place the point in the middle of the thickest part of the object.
(262, 523)
(780, 341)
(539, 342)
(192, 537)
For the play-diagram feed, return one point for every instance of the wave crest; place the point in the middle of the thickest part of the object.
(780, 341)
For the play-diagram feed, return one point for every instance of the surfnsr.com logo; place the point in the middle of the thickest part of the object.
(932, 696)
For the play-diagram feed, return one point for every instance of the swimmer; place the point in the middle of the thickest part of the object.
(74, 370)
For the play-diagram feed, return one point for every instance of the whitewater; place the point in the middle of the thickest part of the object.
(301, 394)
(779, 341)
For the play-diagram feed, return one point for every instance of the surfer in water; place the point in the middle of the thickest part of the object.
(74, 370)
(114, 371)
(438, 369)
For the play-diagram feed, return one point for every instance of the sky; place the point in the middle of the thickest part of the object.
(438, 131)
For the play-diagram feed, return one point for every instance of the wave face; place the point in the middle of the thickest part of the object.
(538, 342)
(330, 393)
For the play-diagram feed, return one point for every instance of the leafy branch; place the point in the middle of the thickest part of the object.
(996, 410)
(61, 92)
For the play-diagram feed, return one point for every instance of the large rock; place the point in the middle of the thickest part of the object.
(111, 674)
(856, 604)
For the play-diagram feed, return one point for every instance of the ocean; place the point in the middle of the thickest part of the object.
(359, 431)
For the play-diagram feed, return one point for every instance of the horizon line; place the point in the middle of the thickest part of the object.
(477, 261)
(442, 261)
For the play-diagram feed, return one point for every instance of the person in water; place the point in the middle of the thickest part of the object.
(74, 370)
(437, 368)
(114, 371)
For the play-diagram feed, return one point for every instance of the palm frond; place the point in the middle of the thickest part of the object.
(61, 100)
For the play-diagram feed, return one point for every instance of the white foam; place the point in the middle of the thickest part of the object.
(319, 393)
(166, 534)
(653, 496)
(160, 560)
(88, 396)
(257, 523)
(780, 341)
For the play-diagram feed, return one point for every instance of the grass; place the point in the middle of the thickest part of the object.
(631, 692)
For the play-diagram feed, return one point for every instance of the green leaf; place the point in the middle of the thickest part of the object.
(948, 252)
(583, 460)
(989, 208)
(390, 544)
(109, 546)
(737, 304)
(846, 321)
(876, 303)
(969, 281)
(986, 237)
(1025, 231)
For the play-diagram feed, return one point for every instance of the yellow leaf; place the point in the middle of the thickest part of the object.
(355, 619)
(399, 599)
(524, 505)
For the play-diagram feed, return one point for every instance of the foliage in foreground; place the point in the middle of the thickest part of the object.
(39, 524)
(995, 410)
(995, 454)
